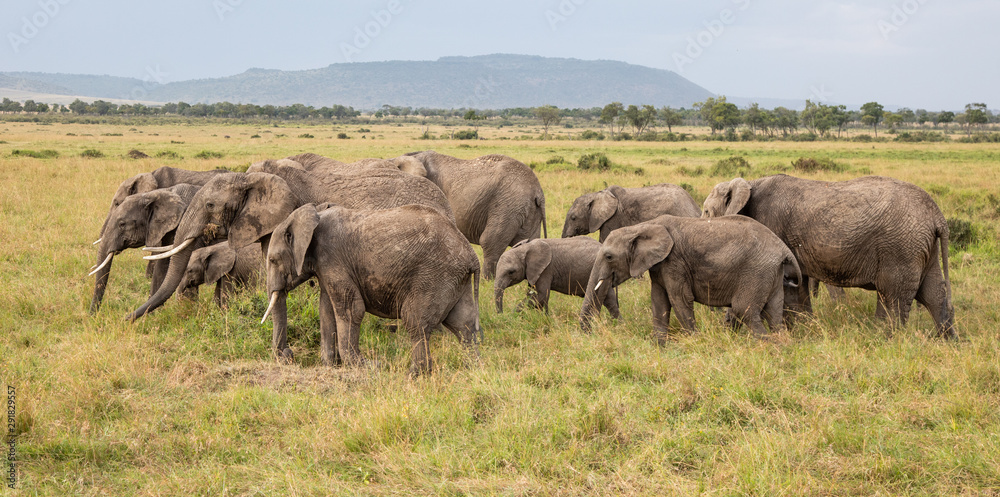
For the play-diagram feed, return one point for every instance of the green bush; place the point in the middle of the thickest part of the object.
(41, 154)
(208, 154)
(92, 153)
(596, 161)
(809, 165)
(466, 134)
(731, 167)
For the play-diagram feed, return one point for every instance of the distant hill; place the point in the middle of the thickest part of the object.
(484, 82)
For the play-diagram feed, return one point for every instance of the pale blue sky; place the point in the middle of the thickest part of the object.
(919, 53)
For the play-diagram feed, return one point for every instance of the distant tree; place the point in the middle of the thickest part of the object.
(671, 118)
(549, 115)
(78, 106)
(871, 114)
(610, 113)
(975, 113)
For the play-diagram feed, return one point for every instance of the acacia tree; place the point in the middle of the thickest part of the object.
(549, 114)
(871, 114)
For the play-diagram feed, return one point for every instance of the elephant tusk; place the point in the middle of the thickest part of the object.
(172, 251)
(157, 249)
(274, 298)
(97, 241)
(598, 285)
(105, 263)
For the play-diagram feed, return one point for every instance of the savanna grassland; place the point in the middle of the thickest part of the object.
(188, 401)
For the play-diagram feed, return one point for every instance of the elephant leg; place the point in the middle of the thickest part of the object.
(933, 294)
(611, 302)
(494, 240)
(327, 331)
(661, 311)
(350, 311)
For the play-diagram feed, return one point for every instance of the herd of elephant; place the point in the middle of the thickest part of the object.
(392, 238)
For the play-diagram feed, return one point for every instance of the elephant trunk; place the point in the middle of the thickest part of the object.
(598, 286)
(101, 278)
(178, 265)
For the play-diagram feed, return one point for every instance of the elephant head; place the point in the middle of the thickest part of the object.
(627, 253)
(525, 261)
(208, 265)
(140, 183)
(239, 207)
(727, 198)
(590, 211)
(144, 219)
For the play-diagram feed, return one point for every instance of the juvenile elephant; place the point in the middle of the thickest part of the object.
(497, 200)
(732, 261)
(229, 269)
(560, 264)
(409, 263)
(873, 232)
(246, 207)
(148, 218)
(162, 177)
(616, 207)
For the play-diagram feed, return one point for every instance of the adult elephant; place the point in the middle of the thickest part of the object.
(497, 200)
(246, 207)
(148, 218)
(616, 207)
(162, 177)
(873, 232)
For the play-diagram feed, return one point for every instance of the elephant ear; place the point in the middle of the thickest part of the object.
(267, 201)
(602, 208)
(165, 211)
(651, 244)
(299, 234)
(220, 261)
(537, 257)
(739, 195)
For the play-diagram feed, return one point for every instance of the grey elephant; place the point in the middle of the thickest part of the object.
(246, 207)
(552, 264)
(497, 200)
(148, 218)
(732, 262)
(162, 177)
(873, 232)
(228, 269)
(616, 207)
(409, 263)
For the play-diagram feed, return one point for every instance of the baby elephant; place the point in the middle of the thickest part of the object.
(409, 263)
(560, 264)
(228, 268)
(731, 261)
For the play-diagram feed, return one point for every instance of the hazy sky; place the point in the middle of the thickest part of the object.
(931, 54)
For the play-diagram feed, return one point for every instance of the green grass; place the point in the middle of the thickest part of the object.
(189, 401)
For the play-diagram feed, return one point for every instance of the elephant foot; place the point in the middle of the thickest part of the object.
(285, 356)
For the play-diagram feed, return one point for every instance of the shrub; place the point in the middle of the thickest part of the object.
(306, 135)
(208, 154)
(811, 165)
(730, 167)
(466, 134)
(343, 136)
(92, 153)
(167, 154)
(591, 135)
(596, 161)
(41, 154)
